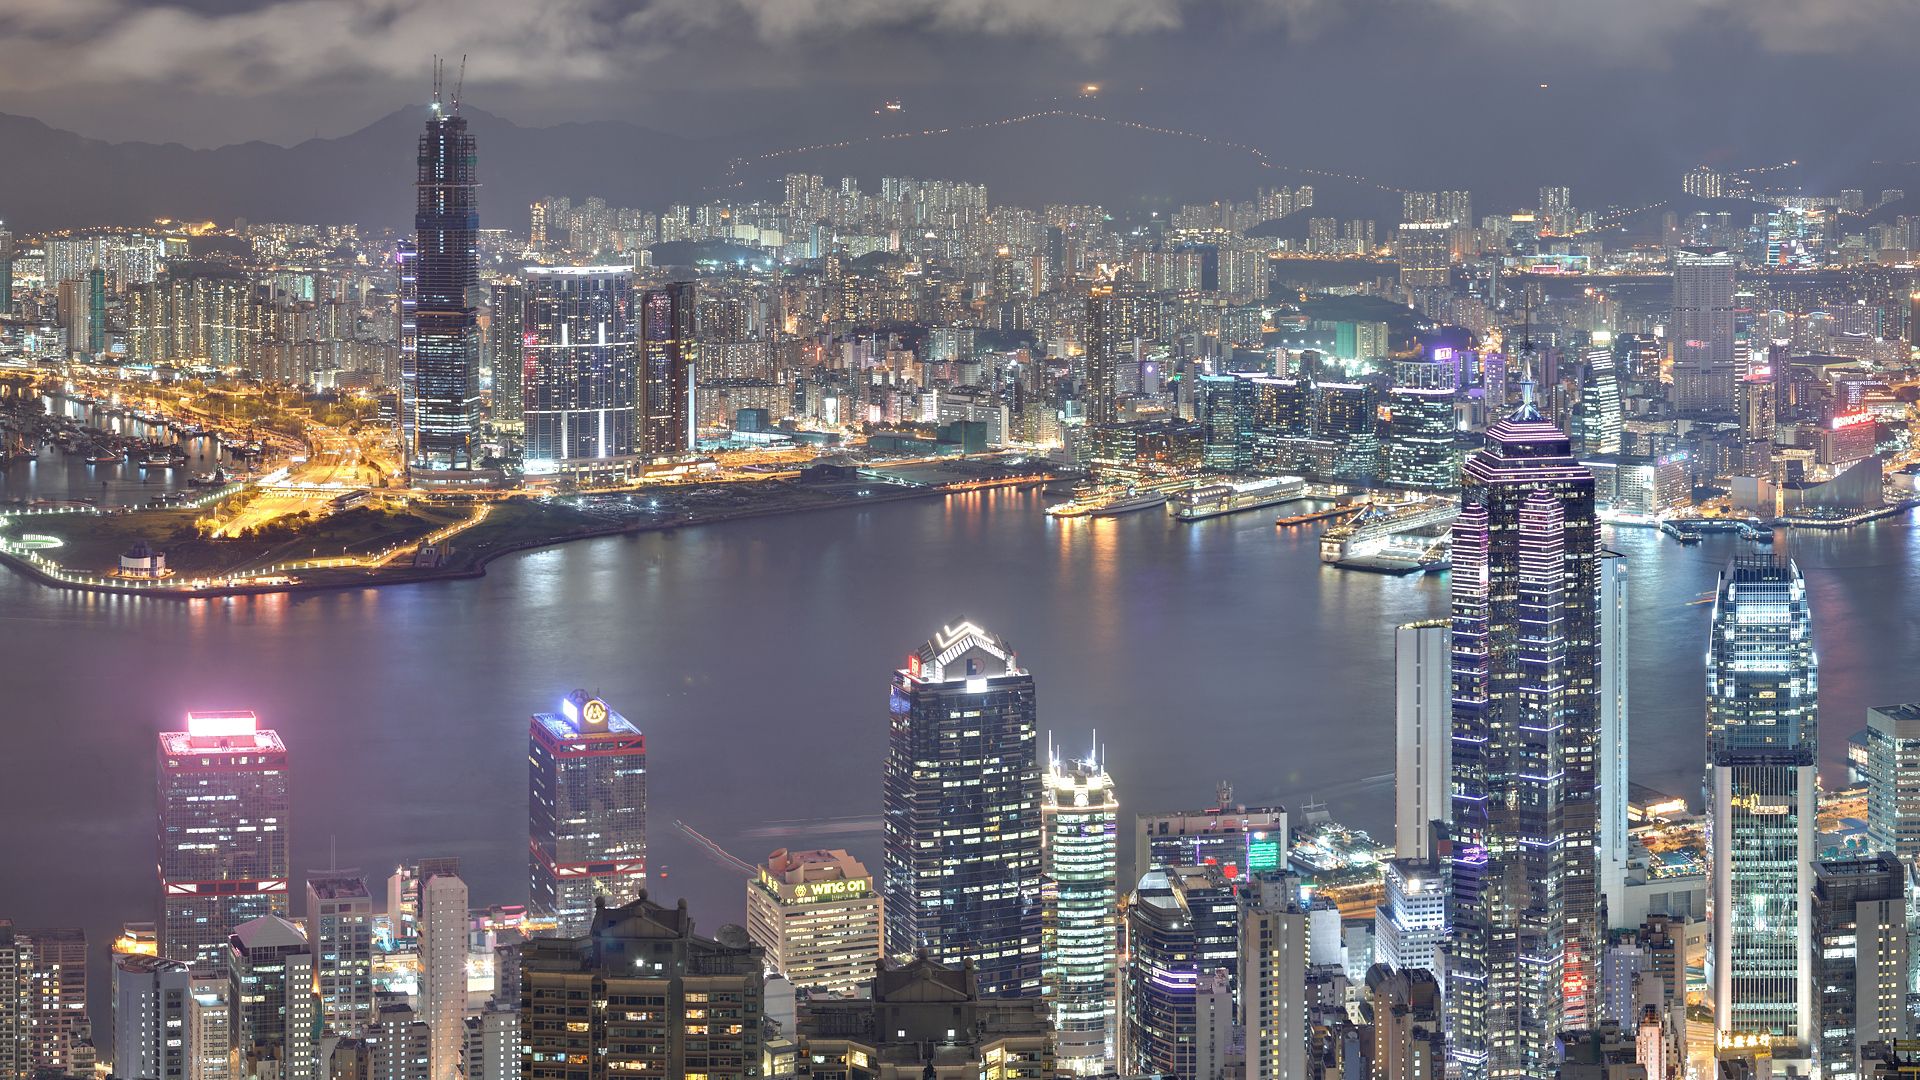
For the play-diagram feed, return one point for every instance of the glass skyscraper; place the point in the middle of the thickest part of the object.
(587, 810)
(446, 383)
(1522, 960)
(1079, 938)
(223, 834)
(962, 810)
(1762, 698)
(579, 369)
(669, 355)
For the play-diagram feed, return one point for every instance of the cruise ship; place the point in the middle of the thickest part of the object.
(1110, 500)
(1381, 525)
(1213, 500)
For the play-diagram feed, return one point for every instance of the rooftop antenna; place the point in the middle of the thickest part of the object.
(459, 82)
(1527, 410)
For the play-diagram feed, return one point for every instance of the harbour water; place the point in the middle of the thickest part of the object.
(756, 655)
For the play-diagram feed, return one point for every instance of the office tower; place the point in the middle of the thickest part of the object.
(1422, 735)
(1408, 1043)
(1762, 724)
(1419, 450)
(398, 1044)
(1182, 925)
(1246, 839)
(443, 971)
(55, 968)
(1411, 923)
(1116, 323)
(446, 223)
(817, 917)
(340, 922)
(1702, 330)
(1602, 417)
(1756, 402)
(210, 1029)
(579, 370)
(1893, 784)
(1525, 589)
(669, 370)
(1424, 250)
(1613, 847)
(152, 1004)
(641, 994)
(1861, 952)
(923, 1018)
(506, 344)
(275, 1011)
(1079, 941)
(1272, 971)
(587, 810)
(962, 810)
(406, 334)
(223, 834)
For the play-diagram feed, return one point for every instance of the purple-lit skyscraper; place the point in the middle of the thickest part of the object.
(1522, 958)
(587, 810)
(223, 834)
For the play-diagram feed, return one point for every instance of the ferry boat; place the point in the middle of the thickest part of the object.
(1213, 500)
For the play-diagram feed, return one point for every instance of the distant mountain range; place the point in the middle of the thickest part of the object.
(57, 179)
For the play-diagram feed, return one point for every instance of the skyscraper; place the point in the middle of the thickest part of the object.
(340, 922)
(275, 1010)
(1407, 1039)
(580, 368)
(223, 834)
(962, 810)
(406, 315)
(1411, 924)
(669, 356)
(152, 1000)
(1893, 784)
(1422, 735)
(1602, 417)
(1861, 955)
(446, 223)
(587, 809)
(6, 270)
(1183, 926)
(58, 1038)
(1762, 726)
(1116, 321)
(1612, 845)
(1079, 939)
(1704, 369)
(443, 972)
(15, 1057)
(1523, 955)
(1272, 970)
(506, 350)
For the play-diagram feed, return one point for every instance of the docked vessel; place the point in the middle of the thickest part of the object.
(1213, 500)
(1384, 526)
(1128, 503)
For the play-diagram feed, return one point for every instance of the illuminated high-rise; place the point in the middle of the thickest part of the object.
(1522, 959)
(587, 810)
(275, 1009)
(340, 922)
(669, 358)
(223, 834)
(446, 220)
(1704, 365)
(1613, 848)
(579, 369)
(1861, 956)
(1080, 938)
(56, 974)
(152, 1001)
(817, 916)
(1117, 315)
(1422, 735)
(1600, 416)
(1762, 730)
(506, 343)
(962, 810)
(443, 972)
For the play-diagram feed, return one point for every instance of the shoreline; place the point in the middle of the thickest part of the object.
(479, 567)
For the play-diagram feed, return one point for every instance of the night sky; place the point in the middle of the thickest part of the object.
(1417, 92)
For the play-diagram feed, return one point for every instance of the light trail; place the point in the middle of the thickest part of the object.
(714, 849)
